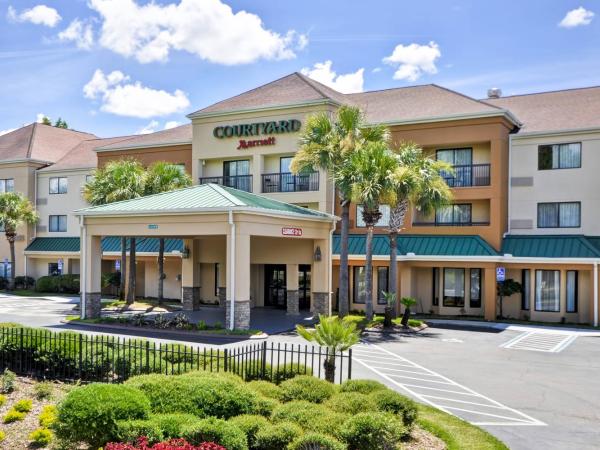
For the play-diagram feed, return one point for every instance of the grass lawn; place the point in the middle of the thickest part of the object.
(32, 293)
(455, 432)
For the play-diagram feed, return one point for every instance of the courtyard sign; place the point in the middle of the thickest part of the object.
(257, 129)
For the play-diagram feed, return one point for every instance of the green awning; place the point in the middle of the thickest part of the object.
(109, 244)
(552, 246)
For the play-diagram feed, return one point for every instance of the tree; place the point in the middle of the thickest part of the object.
(335, 334)
(15, 210)
(61, 123)
(163, 177)
(507, 288)
(407, 302)
(116, 181)
(370, 169)
(418, 184)
(326, 143)
(46, 121)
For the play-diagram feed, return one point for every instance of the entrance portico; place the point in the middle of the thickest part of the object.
(235, 233)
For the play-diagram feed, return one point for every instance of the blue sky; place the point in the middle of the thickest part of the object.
(115, 67)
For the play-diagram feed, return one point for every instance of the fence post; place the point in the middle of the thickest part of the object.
(22, 352)
(225, 364)
(349, 363)
(264, 360)
(80, 356)
(147, 356)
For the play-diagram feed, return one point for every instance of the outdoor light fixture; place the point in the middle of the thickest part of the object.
(317, 253)
(185, 254)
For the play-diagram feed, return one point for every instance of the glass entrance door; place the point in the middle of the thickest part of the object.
(304, 286)
(236, 174)
(275, 286)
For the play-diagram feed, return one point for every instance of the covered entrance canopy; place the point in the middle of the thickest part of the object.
(221, 227)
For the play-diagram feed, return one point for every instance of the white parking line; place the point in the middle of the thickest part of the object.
(448, 396)
(540, 341)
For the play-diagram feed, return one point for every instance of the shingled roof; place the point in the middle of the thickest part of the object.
(174, 136)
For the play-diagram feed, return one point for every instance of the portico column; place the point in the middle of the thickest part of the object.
(489, 293)
(320, 273)
(190, 276)
(91, 302)
(406, 273)
(293, 297)
(238, 281)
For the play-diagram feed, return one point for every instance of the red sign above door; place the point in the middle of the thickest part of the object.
(291, 231)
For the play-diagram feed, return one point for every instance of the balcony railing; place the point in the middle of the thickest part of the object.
(241, 182)
(451, 224)
(289, 182)
(468, 175)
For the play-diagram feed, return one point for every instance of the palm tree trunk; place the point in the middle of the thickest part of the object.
(329, 366)
(123, 268)
(344, 303)
(161, 269)
(393, 288)
(369, 273)
(11, 243)
(132, 274)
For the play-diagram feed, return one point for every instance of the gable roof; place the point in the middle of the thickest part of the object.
(173, 136)
(551, 246)
(202, 198)
(568, 109)
(40, 143)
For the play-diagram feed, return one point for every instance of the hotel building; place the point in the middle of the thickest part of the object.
(252, 234)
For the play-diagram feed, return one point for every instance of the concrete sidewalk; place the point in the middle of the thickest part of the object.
(503, 326)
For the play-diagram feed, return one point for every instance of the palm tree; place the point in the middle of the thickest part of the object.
(119, 180)
(163, 176)
(336, 335)
(326, 143)
(417, 182)
(371, 168)
(15, 210)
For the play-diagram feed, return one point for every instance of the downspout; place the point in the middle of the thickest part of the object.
(595, 293)
(509, 182)
(330, 268)
(83, 266)
(232, 271)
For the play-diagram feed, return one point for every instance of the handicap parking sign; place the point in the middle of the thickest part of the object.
(500, 273)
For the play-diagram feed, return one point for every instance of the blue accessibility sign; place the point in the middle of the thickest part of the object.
(500, 274)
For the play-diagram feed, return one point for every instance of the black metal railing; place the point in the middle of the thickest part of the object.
(289, 182)
(468, 175)
(241, 182)
(450, 224)
(69, 356)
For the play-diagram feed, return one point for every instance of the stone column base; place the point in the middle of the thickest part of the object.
(241, 317)
(190, 298)
(320, 303)
(222, 296)
(293, 303)
(93, 305)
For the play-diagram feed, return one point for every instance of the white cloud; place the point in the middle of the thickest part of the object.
(2, 132)
(208, 29)
(376, 70)
(345, 83)
(577, 17)
(38, 15)
(80, 33)
(150, 128)
(122, 97)
(39, 117)
(171, 124)
(413, 60)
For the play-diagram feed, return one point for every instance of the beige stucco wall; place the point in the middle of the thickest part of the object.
(561, 185)
(172, 286)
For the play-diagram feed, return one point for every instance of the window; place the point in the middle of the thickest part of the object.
(547, 290)
(58, 223)
(462, 160)
(475, 297)
(359, 280)
(53, 269)
(383, 222)
(217, 276)
(58, 185)
(454, 287)
(526, 287)
(436, 287)
(5, 269)
(7, 185)
(89, 178)
(559, 156)
(236, 174)
(382, 284)
(572, 291)
(453, 214)
(559, 215)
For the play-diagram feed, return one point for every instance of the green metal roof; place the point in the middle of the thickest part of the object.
(109, 244)
(552, 246)
(430, 245)
(203, 197)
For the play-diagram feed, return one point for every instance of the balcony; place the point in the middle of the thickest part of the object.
(450, 224)
(289, 182)
(468, 175)
(241, 182)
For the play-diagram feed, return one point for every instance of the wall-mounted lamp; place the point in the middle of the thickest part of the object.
(317, 255)
(185, 254)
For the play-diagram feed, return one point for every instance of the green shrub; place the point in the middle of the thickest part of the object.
(288, 371)
(131, 430)
(215, 430)
(23, 282)
(351, 403)
(312, 441)
(309, 416)
(391, 401)
(266, 389)
(23, 406)
(171, 425)
(264, 406)
(306, 387)
(43, 390)
(277, 436)
(7, 382)
(2, 400)
(41, 437)
(48, 416)
(90, 413)
(362, 386)
(372, 431)
(250, 425)
(13, 416)
(2, 435)
(67, 283)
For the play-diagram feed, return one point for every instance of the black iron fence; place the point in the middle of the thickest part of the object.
(468, 175)
(72, 356)
(241, 182)
(289, 182)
